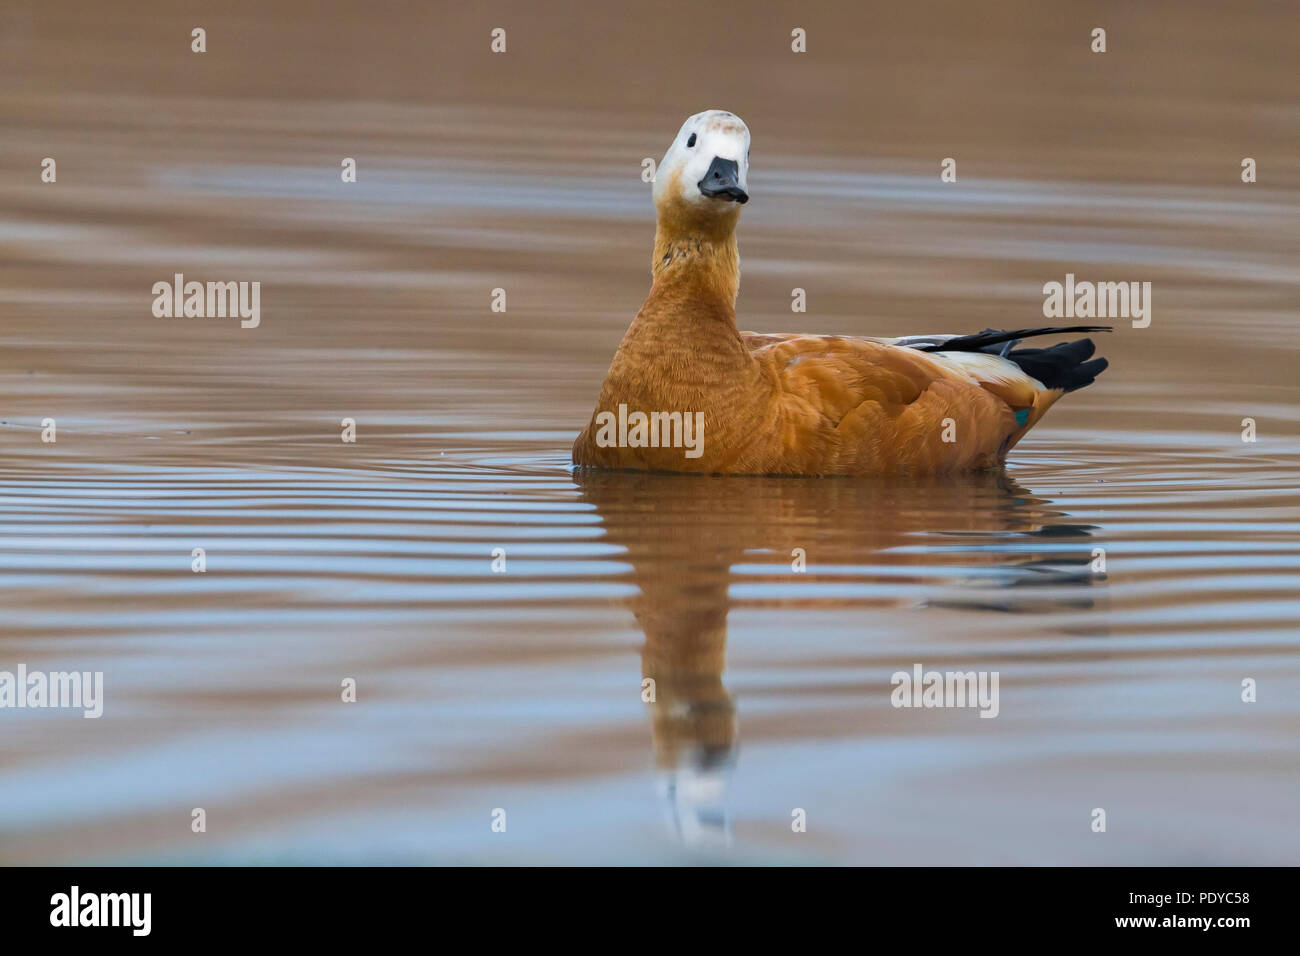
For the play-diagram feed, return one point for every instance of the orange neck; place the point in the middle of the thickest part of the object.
(696, 250)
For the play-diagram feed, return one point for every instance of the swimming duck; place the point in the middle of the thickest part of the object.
(688, 392)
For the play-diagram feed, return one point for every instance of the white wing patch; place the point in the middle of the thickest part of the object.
(917, 341)
(982, 367)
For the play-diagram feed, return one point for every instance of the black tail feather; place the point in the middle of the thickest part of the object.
(1065, 366)
(981, 340)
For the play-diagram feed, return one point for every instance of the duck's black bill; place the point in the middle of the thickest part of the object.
(722, 181)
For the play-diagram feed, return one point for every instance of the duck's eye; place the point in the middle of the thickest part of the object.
(691, 141)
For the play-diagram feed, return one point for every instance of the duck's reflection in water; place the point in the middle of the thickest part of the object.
(683, 534)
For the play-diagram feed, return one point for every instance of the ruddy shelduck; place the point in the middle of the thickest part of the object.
(688, 392)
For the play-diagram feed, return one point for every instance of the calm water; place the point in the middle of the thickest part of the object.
(521, 690)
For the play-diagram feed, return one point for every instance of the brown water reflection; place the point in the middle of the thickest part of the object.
(682, 536)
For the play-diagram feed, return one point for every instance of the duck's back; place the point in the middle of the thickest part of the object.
(918, 405)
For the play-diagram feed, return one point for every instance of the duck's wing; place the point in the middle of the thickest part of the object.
(1064, 366)
(894, 396)
(835, 374)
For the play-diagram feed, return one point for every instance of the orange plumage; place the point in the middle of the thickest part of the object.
(793, 404)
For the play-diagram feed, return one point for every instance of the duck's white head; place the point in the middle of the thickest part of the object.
(707, 166)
